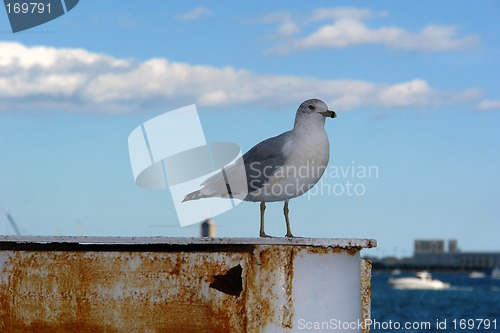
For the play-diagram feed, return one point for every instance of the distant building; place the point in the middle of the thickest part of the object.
(453, 246)
(434, 254)
(429, 246)
(208, 228)
(431, 254)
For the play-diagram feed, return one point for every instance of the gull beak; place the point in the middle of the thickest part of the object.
(329, 114)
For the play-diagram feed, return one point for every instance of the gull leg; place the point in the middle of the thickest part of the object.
(285, 211)
(262, 210)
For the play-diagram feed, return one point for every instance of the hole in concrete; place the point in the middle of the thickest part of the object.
(230, 283)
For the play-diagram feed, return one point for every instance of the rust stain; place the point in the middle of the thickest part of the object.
(117, 292)
(40, 327)
(270, 278)
(365, 268)
(351, 250)
(289, 273)
(264, 310)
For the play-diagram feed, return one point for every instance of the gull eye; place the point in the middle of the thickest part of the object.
(311, 107)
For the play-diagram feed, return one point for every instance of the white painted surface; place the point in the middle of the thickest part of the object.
(326, 288)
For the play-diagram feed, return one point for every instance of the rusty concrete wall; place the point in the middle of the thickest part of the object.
(366, 293)
(159, 285)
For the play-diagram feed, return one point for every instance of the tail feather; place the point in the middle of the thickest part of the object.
(194, 196)
(217, 185)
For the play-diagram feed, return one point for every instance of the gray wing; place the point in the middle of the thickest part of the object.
(260, 163)
(263, 159)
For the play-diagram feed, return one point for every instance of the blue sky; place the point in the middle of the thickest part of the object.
(414, 85)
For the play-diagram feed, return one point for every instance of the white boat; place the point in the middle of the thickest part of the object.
(495, 273)
(423, 280)
(477, 275)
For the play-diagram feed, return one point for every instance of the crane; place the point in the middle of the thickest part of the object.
(12, 222)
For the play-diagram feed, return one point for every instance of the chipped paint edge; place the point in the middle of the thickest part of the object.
(344, 243)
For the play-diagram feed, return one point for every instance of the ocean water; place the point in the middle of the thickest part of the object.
(470, 305)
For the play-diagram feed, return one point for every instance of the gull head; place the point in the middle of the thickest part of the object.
(313, 110)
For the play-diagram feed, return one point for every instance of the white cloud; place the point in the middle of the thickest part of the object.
(341, 13)
(286, 25)
(287, 28)
(347, 27)
(77, 80)
(197, 13)
(413, 93)
(488, 105)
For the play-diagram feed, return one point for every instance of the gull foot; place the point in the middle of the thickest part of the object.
(264, 235)
(290, 235)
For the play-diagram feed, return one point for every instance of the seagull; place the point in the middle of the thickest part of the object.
(279, 168)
